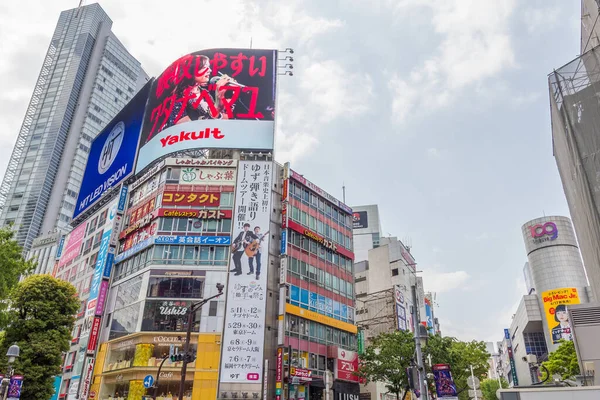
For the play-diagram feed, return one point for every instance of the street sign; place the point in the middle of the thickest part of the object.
(472, 393)
(473, 382)
(148, 381)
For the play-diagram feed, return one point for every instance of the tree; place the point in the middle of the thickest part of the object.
(12, 266)
(562, 361)
(460, 356)
(386, 360)
(490, 386)
(41, 319)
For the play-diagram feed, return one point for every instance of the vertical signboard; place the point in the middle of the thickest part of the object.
(428, 314)
(444, 383)
(400, 309)
(73, 247)
(555, 306)
(346, 365)
(86, 383)
(511, 358)
(243, 334)
(15, 385)
(279, 374)
(218, 98)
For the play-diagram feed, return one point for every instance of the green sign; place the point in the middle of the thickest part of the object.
(361, 341)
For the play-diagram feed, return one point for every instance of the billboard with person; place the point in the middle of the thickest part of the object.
(218, 98)
(555, 306)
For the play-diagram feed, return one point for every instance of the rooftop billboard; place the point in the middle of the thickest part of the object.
(218, 98)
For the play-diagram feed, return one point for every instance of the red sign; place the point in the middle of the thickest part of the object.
(140, 236)
(94, 333)
(143, 210)
(284, 195)
(320, 239)
(146, 219)
(305, 375)
(200, 214)
(176, 198)
(346, 365)
(279, 373)
(284, 217)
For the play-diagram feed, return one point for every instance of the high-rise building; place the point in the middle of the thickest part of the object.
(366, 230)
(87, 76)
(574, 97)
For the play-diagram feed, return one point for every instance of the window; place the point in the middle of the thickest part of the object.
(175, 287)
(212, 308)
(395, 272)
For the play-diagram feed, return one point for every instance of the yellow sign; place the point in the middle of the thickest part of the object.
(555, 305)
(320, 318)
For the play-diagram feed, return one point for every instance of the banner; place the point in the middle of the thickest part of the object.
(73, 247)
(207, 176)
(401, 307)
(243, 334)
(555, 305)
(218, 98)
(444, 384)
(14, 387)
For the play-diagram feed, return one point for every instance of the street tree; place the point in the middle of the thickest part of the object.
(386, 359)
(562, 361)
(490, 386)
(12, 266)
(41, 318)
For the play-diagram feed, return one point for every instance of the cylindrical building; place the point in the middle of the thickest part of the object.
(557, 272)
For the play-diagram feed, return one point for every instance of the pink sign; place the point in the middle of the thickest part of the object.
(346, 365)
(73, 245)
(101, 297)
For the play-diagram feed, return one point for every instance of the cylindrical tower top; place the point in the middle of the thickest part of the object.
(548, 231)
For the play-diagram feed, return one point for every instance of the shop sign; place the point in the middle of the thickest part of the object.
(191, 199)
(305, 375)
(167, 339)
(141, 235)
(87, 380)
(284, 216)
(173, 308)
(265, 379)
(146, 219)
(134, 250)
(200, 214)
(94, 334)
(143, 210)
(207, 176)
(347, 396)
(172, 239)
(279, 373)
(346, 365)
(320, 318)
(201, 162)
(320, 239)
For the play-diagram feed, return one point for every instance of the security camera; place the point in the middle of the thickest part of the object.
(220, 287)
(524, 359)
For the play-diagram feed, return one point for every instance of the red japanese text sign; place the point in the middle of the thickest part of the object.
(200, 214)
(180, 198)
(346, 365)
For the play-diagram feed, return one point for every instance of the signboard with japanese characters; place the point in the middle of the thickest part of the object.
(207, 176)
(346, 365)
(173, 239)
(189, 199)
(243, 334)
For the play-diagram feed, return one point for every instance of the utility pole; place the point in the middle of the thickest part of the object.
(417, 334)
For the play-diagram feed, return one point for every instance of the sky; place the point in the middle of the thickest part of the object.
(436, 110)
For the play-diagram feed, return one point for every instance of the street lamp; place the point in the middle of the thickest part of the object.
(187, 355)
(423, 335)
(12, 354)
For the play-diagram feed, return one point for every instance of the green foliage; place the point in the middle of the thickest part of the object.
(490, 386)
(386, 360)
(12, 266)
(460, 356)
(562, 361)
(41, 319)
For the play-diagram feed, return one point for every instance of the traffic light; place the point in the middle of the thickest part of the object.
(177, 357)
(189, 357)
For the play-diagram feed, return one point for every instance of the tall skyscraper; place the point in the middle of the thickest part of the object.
(86, 78)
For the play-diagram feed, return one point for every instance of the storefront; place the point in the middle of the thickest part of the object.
(126, 361)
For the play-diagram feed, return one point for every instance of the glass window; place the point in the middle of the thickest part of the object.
(220, 253)
(212, 310)
(210, 225)
(181, 225)
(205, 253)
(124, 321)
(167, 224)
(168, 316)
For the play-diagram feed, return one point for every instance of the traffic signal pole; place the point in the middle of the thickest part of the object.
(157, 377)
(187, 356)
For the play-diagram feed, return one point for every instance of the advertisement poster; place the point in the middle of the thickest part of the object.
(243, 335)
(359, 220)
(218, 98)
(73, 247)
(444, 384)
(401, 305)
(555, 306)
(346, 365)
(14, 387)
(112, 153)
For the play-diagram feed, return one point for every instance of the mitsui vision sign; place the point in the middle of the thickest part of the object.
(112, 153)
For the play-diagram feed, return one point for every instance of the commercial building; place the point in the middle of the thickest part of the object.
(555, 280)
(366, 230)
(87, 76)
(575, 121)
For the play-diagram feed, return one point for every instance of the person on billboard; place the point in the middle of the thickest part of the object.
(253, 251)
(239, 246)
(200, 103)
(563, 329)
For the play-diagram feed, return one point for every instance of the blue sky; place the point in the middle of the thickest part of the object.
(437, 110)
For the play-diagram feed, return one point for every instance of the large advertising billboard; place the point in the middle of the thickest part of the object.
(112, 153)
(243, 334)
(555, 306)
(73, 247)
(217, 98)
(444, 383)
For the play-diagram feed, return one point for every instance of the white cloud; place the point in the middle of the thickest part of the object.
(539, 20)
(433, 153)
(475, 46)
(442, 282)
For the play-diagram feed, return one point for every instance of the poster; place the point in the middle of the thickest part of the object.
(243, 335)
(555, 306)
(444, 383)
(14, 387)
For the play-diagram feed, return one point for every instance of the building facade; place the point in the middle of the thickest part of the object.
(86, 78)
(366, 230)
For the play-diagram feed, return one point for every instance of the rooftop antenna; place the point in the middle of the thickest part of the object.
(250, 41)
(79, 8)
(344, 192)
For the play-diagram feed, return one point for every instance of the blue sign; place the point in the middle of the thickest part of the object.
(110, 261)
(112, 153)
(122, 198)
(429, 315)
(172, 239)
(284, 242)
(134, 250)
(59, 249)
(100, 262)
(507, 334)
(57, 384)
(148, 381)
